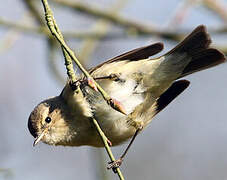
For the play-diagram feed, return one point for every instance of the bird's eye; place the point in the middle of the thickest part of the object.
(48, 120)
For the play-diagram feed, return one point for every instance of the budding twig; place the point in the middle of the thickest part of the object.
(117, 106)
(107, 15)
(107, 147)
(69, 56)
(67, 51)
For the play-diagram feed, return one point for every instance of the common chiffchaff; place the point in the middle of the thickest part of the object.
(143, 85)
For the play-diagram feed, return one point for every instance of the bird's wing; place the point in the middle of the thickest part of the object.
(134, 55)
(131, 67)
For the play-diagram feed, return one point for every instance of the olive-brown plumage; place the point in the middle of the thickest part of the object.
(143, 85)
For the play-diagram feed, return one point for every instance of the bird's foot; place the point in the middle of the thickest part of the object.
(113, 77)
(74, 85)
(115, 164)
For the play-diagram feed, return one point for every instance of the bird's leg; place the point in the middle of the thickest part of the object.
(90, 81)
(117, 163)
(75, 85)
(114, 77)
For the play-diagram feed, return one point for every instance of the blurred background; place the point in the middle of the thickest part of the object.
(185, 141)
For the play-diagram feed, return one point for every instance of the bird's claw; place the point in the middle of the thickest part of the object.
(115, 164)
(74, 85)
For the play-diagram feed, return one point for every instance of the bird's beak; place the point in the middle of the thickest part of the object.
(39, 138)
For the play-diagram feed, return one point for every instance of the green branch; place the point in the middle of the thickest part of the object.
(134, 27)
(69, 56)
(23, 27)
(107, 147)
(91, 82)
(112, 17)
(89, 45)
(40, 30)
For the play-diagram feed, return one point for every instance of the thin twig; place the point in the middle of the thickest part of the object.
(91, 82)
(88, 47)
(218, 7)
(140, 28)
(89, 44)
(22, 27)
(169, 35)
(107, 147)
(133, 26)
(136, 27)
(58, 35)
(97, 12)
(40, 30)
(69, 66)
(30, 4)
(181, 12)
(51, 41)
(52, 62)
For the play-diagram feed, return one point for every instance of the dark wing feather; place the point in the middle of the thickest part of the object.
(135, 54)
(170, 94)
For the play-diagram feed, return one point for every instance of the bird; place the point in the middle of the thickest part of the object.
(143, 85)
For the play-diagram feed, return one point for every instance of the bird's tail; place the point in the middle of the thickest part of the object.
(196, 47)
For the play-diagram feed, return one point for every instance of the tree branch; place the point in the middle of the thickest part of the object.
(69, 66)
